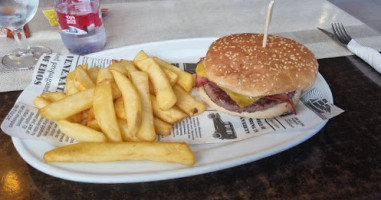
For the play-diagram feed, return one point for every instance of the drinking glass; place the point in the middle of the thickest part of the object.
(14, 14)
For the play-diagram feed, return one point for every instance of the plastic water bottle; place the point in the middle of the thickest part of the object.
(81, 25)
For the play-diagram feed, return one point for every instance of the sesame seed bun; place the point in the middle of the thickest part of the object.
(238, 62)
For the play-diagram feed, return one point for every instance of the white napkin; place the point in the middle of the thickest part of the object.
(369, 55)
(13, 81)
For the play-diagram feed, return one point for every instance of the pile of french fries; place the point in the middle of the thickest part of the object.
(115, 112)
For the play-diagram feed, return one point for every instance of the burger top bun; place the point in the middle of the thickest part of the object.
(238, 62)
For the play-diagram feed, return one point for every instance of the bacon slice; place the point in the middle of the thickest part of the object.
(201, 81)
(284, 97)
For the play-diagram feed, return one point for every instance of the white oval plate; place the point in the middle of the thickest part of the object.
(209, 157)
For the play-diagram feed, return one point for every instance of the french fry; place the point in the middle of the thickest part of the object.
(80, 132)
(76, 118)
(172, 76)
(119, 108)
(93, 74)
(82, 79)
(124, 130)
(70, 87)
(166, 98)
(53, 96)
(68, 106)
(185, 79)
(140, 56)
(104, 112)
(93, 124)
(171, 115)
(146, 130)
(84, 66)
(41, 102)
(116, 93)
(123, 127)
(117, 151)
(118, 66)
(88, 114)
(105, 75)
(85, 115)
(187, 103)
(130, 67)
(161, 127)
(132, 103)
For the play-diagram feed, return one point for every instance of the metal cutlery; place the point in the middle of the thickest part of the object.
(369, 55)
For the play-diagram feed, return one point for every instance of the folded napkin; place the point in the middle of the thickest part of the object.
(369, 55)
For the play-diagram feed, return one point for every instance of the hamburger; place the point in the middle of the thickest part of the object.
(240, 77)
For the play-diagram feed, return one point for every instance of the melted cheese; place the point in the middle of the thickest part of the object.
(200, 69)
(241, 100)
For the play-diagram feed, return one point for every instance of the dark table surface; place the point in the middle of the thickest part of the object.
(342, 161)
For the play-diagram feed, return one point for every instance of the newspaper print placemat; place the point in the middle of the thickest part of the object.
(23, 121)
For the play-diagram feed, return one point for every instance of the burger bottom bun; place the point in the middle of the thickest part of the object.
(274, 111)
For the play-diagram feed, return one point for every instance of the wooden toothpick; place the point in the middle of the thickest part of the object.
(268, 18)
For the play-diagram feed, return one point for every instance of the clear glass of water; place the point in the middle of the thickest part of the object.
(14, 14)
